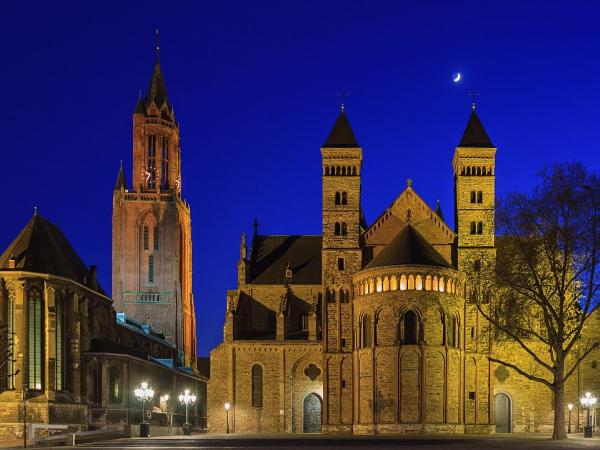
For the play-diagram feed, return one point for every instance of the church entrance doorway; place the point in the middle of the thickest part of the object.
(312, 411)
(502, 412)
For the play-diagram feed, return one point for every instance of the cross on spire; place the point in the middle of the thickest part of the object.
(342, 96)
(474, 96)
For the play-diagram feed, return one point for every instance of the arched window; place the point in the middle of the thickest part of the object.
(96, 384)
(353, 170)
(402, 282)
(366, 332)
(378, 285)
(257, 385)
(344, 198)
(330, 296)
(371, 286)
(410, 327)
(146, 237)
(393, 283)
(114, 383)
(59, 341)
(164, 168)
(343, 170)
(411, 282)
(338, 197)
(337, 229)
(386, 284)
(344, 228)
(326, 170)
(35, 325)
(453, 332)
(419, 283)
(435, 283)
(441, 285)
(150, 172)
(428, 283)
(337, 170)
(344, 296)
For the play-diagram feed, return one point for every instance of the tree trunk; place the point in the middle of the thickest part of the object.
(559, 431)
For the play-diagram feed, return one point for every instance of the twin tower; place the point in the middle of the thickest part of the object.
(152, 245)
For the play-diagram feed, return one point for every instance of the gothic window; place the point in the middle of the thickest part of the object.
(410, 327)
(344, 229)
(257, 386)
(330, 296)
(35, 325)
(151, 269)
(473, 228)
(366, 338)
(151, 167)
(164, 168)
(146, 237)
(473, 196)
(114, 385)
(155, 238)
(96, 384)
(338, 198)
(479, 227)
(479, 197)
(304, 322)
(344, 296)
(344, 198)
(340, 264)
(338, 229)
(59, 342)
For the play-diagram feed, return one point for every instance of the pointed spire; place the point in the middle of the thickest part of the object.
(121, 183)
(438, 209)
(157, 91)
(139, 105)
(341, 135)
(255, 226)
(475, 135)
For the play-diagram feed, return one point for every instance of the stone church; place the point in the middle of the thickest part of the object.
(71, 355)
(367, 328)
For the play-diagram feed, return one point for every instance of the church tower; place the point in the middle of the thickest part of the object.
(341, 259)
(474, 166)
(152, 245)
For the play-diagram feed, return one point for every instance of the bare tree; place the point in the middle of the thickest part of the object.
(545, 281)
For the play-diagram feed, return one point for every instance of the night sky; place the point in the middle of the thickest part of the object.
(254, 87)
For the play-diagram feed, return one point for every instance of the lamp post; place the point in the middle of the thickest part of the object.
(144, 393)
(187, 399)
(570, 406)
(587, 401)
(227, 406)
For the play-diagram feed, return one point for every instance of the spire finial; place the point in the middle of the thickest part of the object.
(157, 43)
(121, 164)
(35, 210)
(342, 96)
(474, 95)
(409, 182)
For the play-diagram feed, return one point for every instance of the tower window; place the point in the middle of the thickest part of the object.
(344, 198)
(151, 269)
(479, 227)
(338, 198)
(473, 228)
(330, 296)
(479, 197)
(164, 166)
(473, 197)
(145, 238)
(155, 238)
(151, 166)
(340, 263)
(341, 229)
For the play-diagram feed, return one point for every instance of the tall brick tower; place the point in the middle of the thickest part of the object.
(152, 243)
(341, 259)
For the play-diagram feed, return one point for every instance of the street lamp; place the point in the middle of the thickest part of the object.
(144, 393)
(227, 406)
(587, 401)
(570, 406)
(187, 399)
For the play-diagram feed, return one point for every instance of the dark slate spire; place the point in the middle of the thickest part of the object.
(157, 91)
(438, 209)
(140, 108)
(121, 183)
(475, 135)
(341, 135)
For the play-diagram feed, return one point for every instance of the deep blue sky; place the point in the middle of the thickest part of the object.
(254, 87)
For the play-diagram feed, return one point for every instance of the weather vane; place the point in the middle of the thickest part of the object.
(474, 95)
(342, 96)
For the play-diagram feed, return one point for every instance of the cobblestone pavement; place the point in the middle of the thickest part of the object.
(317, 442)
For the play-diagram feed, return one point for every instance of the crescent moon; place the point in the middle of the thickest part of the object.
(456, 79)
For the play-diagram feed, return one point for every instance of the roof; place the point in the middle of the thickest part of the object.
(409, 247)
(157, 91)
(42, 248)
(475, 135)
(341, 135)
(271, 256)
(121, 183)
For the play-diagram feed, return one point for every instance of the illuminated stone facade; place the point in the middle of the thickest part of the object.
(369, 329)
(152, 241)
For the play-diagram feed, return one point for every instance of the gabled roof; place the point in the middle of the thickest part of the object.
(475, 135)
(271, 256)
(42, 248)
(409, 247)
(341, 135)
(157, 91)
